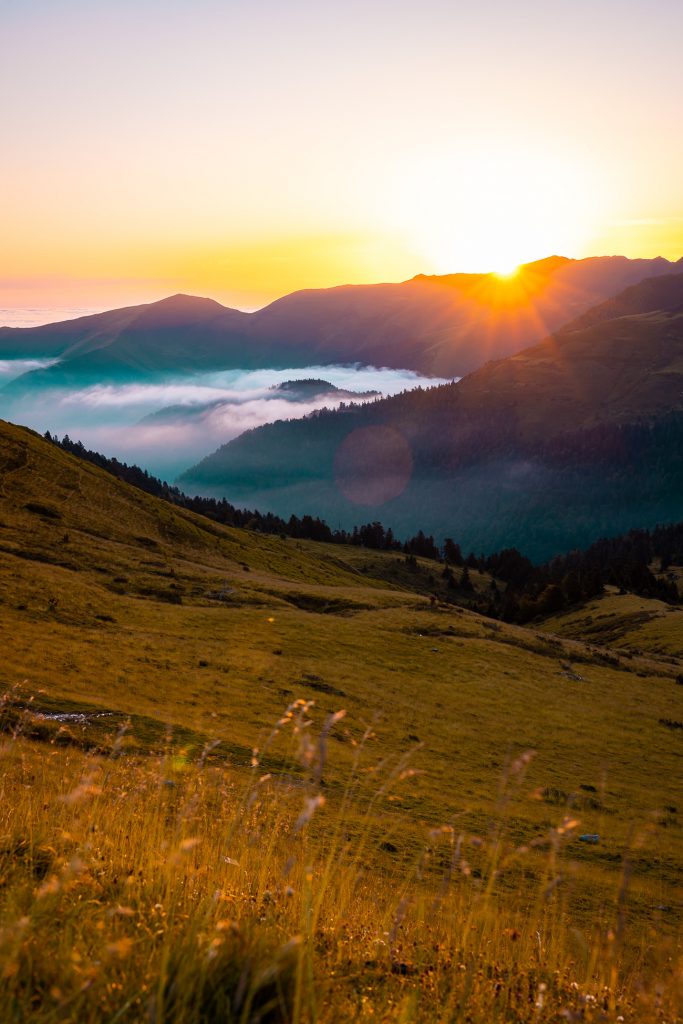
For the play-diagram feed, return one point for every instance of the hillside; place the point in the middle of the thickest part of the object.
(653, 294)
(537, 451)
(626, 624)
(439, 326)
(95, 572)
(148, 657)
(614, 371)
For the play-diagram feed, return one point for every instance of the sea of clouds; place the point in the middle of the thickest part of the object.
(203, 411)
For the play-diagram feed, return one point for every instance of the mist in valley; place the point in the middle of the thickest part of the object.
(168, 424)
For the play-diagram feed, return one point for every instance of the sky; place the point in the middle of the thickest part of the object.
(242, 149)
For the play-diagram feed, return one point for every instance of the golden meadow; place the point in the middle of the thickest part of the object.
(245, 780)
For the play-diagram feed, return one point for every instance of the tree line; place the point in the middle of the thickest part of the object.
(528, 591)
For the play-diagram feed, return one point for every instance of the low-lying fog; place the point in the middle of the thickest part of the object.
(10, 369)
(168, 426)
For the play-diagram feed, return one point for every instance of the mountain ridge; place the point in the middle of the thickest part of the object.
(440, 326)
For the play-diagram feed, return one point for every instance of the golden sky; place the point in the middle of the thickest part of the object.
(245, 149)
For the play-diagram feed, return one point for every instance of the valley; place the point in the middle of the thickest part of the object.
(537, 451)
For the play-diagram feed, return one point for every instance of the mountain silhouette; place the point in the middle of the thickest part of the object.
(441, 326)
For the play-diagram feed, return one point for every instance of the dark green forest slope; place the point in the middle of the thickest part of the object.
(576, 438)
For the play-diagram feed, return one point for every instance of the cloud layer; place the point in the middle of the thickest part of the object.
(168, 426)
(12, 368)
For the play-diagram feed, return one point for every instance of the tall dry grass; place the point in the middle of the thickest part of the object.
(174, 888)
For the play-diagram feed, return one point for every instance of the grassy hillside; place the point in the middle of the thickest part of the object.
(626, 623)
(413, 860)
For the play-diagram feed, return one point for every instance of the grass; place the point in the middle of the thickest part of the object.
(150, 871)
(171, 888)
(626, 623)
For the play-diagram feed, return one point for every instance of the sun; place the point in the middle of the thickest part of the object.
(507, 273)
(493, 208)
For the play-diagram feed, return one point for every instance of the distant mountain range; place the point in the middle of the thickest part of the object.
(440, 326)
(577, 437)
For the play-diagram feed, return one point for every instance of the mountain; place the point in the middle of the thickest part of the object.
(447, 325)
(444, 326)
(540, 450)
(180, 334)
